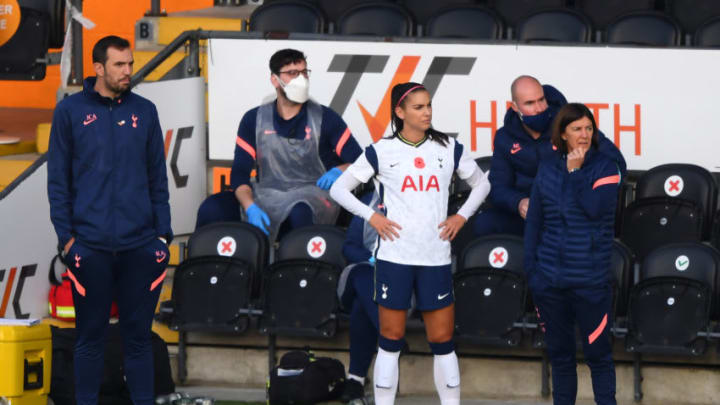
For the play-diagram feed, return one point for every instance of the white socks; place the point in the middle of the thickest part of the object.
(447, 378)
(385, 377)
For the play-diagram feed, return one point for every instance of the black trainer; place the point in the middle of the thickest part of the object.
(353, 390)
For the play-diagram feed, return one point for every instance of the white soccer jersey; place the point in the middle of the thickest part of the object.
(413, 182)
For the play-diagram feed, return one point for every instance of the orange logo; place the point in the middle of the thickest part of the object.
(9, 19)
(515, 148)
(379, 122)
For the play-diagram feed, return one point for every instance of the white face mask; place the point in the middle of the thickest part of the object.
(297, 89)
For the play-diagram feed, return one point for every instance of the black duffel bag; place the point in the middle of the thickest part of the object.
(303, 379)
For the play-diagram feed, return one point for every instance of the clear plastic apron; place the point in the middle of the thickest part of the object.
(288, 170)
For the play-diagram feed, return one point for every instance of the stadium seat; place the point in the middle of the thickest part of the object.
(691, 14)
(423, 10)
(490, 290)
(670, 307)
(287, 16)
(673, 203)
(621, 273)
(708, 35)
(333, 9)
(602, 12)
(300, 287)
(558, 25)
(643, 28)
(514, 11)
(376, 19)
(465, 22)
(213, 288)
(21, 56)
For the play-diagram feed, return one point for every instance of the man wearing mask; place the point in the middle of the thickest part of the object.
(299, 148)
(519, 146)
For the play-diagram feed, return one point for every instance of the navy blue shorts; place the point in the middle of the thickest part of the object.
(395, 283)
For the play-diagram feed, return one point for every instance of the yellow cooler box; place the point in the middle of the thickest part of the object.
(25, 357)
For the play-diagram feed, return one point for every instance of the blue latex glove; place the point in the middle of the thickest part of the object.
(258, 217)
(327, 179)
(371, 260)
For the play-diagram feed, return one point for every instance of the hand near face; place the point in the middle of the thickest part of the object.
(576, 158)
(451, 226)
(523, 207)
(384, 227)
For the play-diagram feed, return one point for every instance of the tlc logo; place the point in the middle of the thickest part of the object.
(10, 277)
(183, 133)
(354, 67)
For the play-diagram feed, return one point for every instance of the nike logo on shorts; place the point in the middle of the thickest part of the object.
(394, 164)
(441, 296)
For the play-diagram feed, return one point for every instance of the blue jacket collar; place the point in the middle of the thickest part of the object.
(90, 92)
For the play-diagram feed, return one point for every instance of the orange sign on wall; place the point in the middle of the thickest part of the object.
(9, 19)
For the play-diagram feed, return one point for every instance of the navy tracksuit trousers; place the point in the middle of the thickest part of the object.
(358, 297)
(560, 310)
(133, 279)
(493, 220)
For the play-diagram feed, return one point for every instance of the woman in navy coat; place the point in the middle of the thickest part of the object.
(568, 244)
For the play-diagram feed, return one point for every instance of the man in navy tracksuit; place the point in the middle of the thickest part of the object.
(108, 192)
(519, 147)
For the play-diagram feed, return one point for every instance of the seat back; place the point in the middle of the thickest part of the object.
(465, 22)
(423, 10)
(681, 180)
(621, 272)
(240, 240)
(644, 28)
(333, 9)
(558, 25)
(300, 286)
(460, 186)
(694, 261)
(490, 290)
(504, 252)
(674, 298)
(317, 242)
(602, 12)
(514, 11)
(691, 14)
(708, 35)
(287, 16)
(376, 18)
(652, 222)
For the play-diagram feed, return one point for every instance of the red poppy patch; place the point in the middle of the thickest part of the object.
(419, 163)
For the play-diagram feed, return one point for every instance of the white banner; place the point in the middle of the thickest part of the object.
(29, 240)
(657, 104)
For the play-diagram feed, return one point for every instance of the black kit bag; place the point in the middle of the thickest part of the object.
(113, 389)
(303, 379)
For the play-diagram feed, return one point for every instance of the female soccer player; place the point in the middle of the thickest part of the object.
(412, 170)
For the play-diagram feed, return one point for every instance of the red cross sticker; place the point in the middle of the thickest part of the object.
(316, 247)
(226, 246)
(674, 185)
(498, 257)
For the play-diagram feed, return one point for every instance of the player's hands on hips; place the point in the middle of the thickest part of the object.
(576, 158)
(451, 226)
(326, 180)
(258, 217)
(384, 227)
(523, 207)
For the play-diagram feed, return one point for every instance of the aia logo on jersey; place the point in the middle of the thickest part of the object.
(419, 185)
